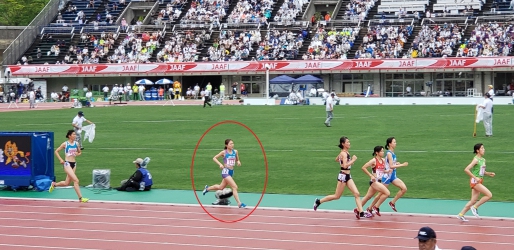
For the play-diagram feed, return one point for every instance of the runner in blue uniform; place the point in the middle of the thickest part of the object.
(230, 158)
(389, 176)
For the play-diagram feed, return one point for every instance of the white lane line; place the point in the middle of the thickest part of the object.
(135, 241)
(150, 121)
(250, 222)
(48, 247)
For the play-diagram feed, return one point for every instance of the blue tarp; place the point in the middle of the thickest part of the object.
(283, 79)
(308, 79)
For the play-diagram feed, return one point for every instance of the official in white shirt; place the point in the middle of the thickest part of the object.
(491, 93)
(487, 115)
(32, 99)
(329, 109)
(77, 126)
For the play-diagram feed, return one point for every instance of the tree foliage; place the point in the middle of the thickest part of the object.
(20, 12)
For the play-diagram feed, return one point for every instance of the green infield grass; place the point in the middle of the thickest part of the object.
(436, 141)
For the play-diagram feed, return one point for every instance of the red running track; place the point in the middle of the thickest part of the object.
(50, 224)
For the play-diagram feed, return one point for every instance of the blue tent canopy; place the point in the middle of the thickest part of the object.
(283, 79)
(308, 79)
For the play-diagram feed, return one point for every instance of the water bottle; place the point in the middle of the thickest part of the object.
(142, 186)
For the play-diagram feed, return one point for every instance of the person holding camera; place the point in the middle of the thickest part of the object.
(141, 180)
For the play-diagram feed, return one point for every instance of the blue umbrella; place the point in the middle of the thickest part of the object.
(164, 81)
(144, 82)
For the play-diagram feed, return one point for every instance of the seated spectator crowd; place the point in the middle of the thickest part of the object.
(331, 44)
(384, 42)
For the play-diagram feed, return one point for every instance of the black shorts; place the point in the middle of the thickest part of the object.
(342, 177)
(70, 163)
(371, 183)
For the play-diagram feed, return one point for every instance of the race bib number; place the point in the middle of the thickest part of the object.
(225, 171)
(380, 174)
(341, 177)
(231, 161)
(473, 181)
(482, 170)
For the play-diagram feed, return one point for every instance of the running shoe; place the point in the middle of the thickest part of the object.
(242, 205)
(205, 189)
(370, 211)
(393, 207)
(357, 214)
(462, 218)
(475, 211)
(366, 214)
(317, 202)
(377, 210)
(83, 200)
(52, 187)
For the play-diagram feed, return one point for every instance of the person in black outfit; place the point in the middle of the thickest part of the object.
(141, 180)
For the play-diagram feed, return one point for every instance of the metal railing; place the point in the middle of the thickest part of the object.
(245, 26)
(29, 34)
(57, 30)
(288, 24)
(495, 18)
(391, 22)
(100, 29)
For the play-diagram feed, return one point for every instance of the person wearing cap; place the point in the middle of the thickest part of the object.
(141, 180)
(491, 91)
(329, 109)
(427, 239)
(468, 248)
(77, 126)
(487, 105)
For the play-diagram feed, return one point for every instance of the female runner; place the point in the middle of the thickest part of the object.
(345, 179)
(390, 172)
(377, 165)
(476, 170)
(71, 150)
(230, 158)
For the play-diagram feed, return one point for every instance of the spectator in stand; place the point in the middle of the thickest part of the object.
(384, 42)
(331, 44)
(437, 41)
(358, 9)
(488, 39)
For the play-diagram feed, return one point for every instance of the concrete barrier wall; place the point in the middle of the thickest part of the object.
(504, 100)
(10, 32)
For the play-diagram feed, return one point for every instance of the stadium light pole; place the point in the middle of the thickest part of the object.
(267, 66)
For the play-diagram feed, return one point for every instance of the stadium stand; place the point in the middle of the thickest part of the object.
(96, 31)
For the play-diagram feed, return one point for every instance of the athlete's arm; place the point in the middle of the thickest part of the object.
(468, 171)
(57, 152)
(237, 158)
(390, 160)
(370, 163)
(215, 158)
(346, 164)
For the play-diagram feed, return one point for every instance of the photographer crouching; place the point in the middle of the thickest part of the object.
(141, 180)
